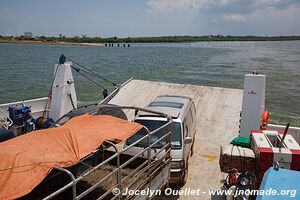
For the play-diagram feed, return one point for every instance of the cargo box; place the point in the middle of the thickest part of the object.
(242, 159)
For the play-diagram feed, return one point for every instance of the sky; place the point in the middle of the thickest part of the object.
(140, 18)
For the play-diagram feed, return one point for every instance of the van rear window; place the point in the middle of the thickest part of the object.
(153, 125)
(166, 104)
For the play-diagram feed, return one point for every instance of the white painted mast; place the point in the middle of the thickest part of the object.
(64, 97)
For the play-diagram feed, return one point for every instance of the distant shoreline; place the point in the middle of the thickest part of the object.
(101, 42)
(51, 43)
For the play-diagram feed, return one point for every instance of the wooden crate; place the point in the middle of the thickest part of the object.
(242, 159)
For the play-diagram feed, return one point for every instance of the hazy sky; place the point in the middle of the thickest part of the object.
(129, 18)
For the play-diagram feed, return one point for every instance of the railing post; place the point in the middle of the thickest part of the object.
(149, 160)
(73, 184)
(119, 176)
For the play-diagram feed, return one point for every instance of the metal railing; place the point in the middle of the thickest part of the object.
(37, 106)
(5, 121)
(294, 131)
(142, 174)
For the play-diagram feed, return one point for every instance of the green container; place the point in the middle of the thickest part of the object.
(241, 142)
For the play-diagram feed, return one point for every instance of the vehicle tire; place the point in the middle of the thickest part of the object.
(185, 175)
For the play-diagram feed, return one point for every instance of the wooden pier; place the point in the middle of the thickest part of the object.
(218, 114)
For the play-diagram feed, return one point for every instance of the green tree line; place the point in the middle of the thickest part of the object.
(178, 39)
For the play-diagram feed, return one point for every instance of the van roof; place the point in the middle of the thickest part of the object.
(173, 113)
(175, 106)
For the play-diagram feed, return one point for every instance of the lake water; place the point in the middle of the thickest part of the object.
(26, 70)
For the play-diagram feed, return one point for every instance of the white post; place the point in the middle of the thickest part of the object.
(64, 97)
(253, 103)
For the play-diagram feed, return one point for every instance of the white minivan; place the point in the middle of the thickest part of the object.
(183, 112)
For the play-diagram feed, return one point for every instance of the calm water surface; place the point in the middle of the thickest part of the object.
(26, 70)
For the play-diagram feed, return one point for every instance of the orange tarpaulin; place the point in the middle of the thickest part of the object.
(26, 160)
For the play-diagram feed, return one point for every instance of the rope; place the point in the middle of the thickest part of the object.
(92, 73)
(50, 91)
(86, 70)
(78, 71)
(231, 157)
(241, 159)
(32, 165)
(72, 102)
